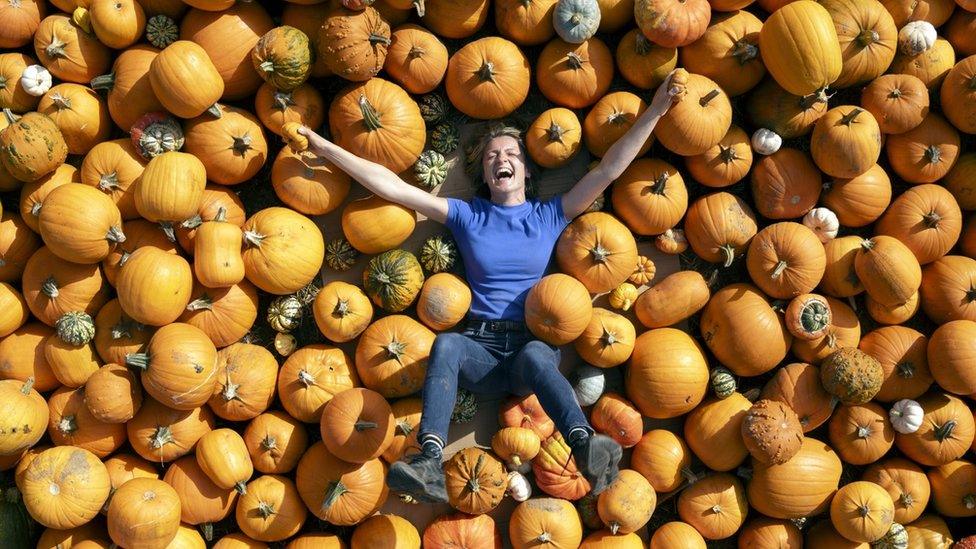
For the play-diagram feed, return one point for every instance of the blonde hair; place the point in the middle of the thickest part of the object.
(475, 152)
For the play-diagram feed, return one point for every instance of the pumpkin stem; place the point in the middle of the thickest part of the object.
(267, 66)
(27, 386)
(473, 485)
(67, 425)
(864, 510)
(544, 537)
(282, 100)
(221, 214)
(832, 340)
(55, 48)
(50, 287)
(969, 500)
(341, 308)
(894, 94)
(614, 527)
(36, 209)
(230, 391)
(204, 302)
(242, 144)
(124, 329)
(728, 154)
(168, 230)
(808, 101)
(365, 425)
(306, 378)
(161, 437)
(240, 487)
(867, 244)
(906, 369)
(944, 431)
(617, 118)
(868, 37)
(933, 154)
(642, 45)
(744, 51)
(269, 442)
(971, 294)
(103, 82)
(137, 360)
(863, 431)
(600, 254)
(932, 219)
(555, 133)
(574, 60)
(395, 349)
(690, 476)
(906, 499)
(207, 530)
(60, 101)
(780, 267)
(416, 52)
(192, 222)
(708, 97)
(108, 182)
(379, 39)
(850, 117)
(404, 427)
(332, 493)
(115, 235)
(717, 509)
(370, 117)
(609, 338)
(729, 252)
(252, 238)
(215, 111)
(972, 83)
(265, 509)
(421, 9)
(660, 182)
(486, 72)
(515, 460)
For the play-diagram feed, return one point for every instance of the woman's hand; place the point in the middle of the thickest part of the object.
(663, 98)
(317, 144)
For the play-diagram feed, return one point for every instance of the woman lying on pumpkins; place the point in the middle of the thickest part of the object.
(506, 244)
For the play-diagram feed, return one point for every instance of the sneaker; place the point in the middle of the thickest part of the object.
(420, 476)
(598, 459)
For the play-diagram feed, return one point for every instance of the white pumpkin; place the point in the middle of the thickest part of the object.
(518, 486)
(906, 416)
(591, 382)
(823, 222)
(35, 80)
(576, 21)
(765, 141)
(916, 37)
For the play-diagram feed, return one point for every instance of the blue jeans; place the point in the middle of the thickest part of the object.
(482, 361)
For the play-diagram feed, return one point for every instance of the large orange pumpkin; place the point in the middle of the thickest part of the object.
(597, 250)
(859, 200)
(800, 47)
(728, 52)
(487, 78)
(925, 153)
(957, 95)
(868, 39)
(357, 425)
(725, 163)
(713, 431)
(786, 260)
(574, 75)
(558, 309)
(457, 19)
(743, 330)
(64, 487)
(902, 354)
(70, 53)
(798, 385)
(339, 492)
(283, 250)
(231, 146)
(391, 355)
(525, 23)
(862, 511)
(545, 520)
(556, 472)
(802, 486)
(610, 119)
(846, 141)
(946, 433)
(185, 80)
(476, 481)
(310, 377)
(899, 102)
(178, 366)
(461, 530)
(888, 270)
(785, 184)
(672, 23)
(719, 227)
(926, 218)
(650, 196)
(667, 375)
(698, 118)
(716, 505)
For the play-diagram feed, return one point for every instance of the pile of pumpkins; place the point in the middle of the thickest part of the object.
(824, 365)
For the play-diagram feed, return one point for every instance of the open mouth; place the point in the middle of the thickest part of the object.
(504, 174)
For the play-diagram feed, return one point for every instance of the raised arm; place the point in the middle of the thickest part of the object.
(618, 156)
(377, 178)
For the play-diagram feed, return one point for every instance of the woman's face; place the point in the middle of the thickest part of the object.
(504, 165)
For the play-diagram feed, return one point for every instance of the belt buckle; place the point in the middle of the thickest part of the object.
(494, 326)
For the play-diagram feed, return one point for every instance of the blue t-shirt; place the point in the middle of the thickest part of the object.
(505, 249)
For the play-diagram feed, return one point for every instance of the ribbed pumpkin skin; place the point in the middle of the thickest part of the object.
(80, 224)
(481, 96)
(667, 374)
(81, 57)
(598, 250)
(181, 369)
(363, 228)
(283, 250)
(185, 80)
(145, 513)
(393, 280)
(461, 530)
(416, 59)
(786, 259)
(32, 147)
(232, 147)
(742, 329)
(22, 19)
(558, 309)
(672, 23)
(888, 270)
(64, 487)
(712, 431)
(476, 481)
(728, 52)
(385, 127)
(311, 376)
(525, 23)
(391, 355)
(677, 534)
(697, 119)
(868, 39)
(800, 48)
(282, 57)
(337, 491)
(21, 406)
(131, 94)
(846, 142)
(574, 75)
(456, 19)
(556, 472)
(150, 270)
(171, 187)
(719, 227)
(201, 501)
(861, 511)
(926, 218)
(554, 516)
(353, 43)
(802, 486)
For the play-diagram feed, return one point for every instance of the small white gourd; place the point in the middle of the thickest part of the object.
(765, 141)
(823, 222)
(518, 486)
(916, 37)
(906, 416)
(590, 384)
(35, 80)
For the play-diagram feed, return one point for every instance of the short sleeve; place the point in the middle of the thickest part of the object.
(553, 215)
(459, 215)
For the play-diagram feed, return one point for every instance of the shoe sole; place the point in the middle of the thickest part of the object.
(401, 479)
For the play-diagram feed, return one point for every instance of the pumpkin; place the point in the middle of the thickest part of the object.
(241, 393)
(155, 133)
(15, 94)
(957, 32)
(22, 407)
(275, 108)
(545, 521)
(282, 57)
(947, 286)
(171, 187)
(643, 63)
(724, 164)
(385, 531)
(843, 331)
(902, 354)
(92, 531)
(948, 351)
(930, 66)
(958, 181)
(116, 334)
(663, 458)
(13, 309)
(605, 538)
(31, 146)
(360, 228)
(201, 502)
(771, 431)
(378, 121)
(627, 504)
(554, 137)
(461, 530)
(823, 222)
(525, 23)
(145, 512)
(898, 102)
(53, 286)
(767, 532)
(217, 260)
(784, 260)
(906, 416)
(925, 153)
(526, 412)
(231, 145)
(608, 339)
(501, 81)
(113, 167)
(729, 311)
(354, 43)
(68, 51)
(719, 226)
(860, 200)
(515, 445)
(443, 301)
(846, 141)
(118, 25)
(357, 425)
(860, 433)
(801, 34)
(557, 309)
(728, 52)
(113, 394)
(283, 250)
(840, 278)
(798, 386)
(80, 223)
(905, 483)
(862, 511)
(475, 480)
(223, 457)
(867, 37)
(785, 184)
(576, 21)
(597, 250)
(954, 489)
(64, 487)
(70, 364)
(185, 80)
(17, 244)
(123, 468)
(926, 218)
(929, 531)
(340, 492)
(655, 385)
(677, 534)
(801, 486)
(309, 187)
(275, 442)
(342, 311)
(712, 431)
(673, 299)
(888, 269)
(182, 379)
(956, 93)
(650, 197)
(556, 472)
(313, 541)
(22, 19)
(609, 119)
(672, 23)
(71, 424)
(149, 269)
(416, 59)
(391, 355)
(224, 314)
(808, 316)
(851, 375)
(788, 115)
(23, 356)
(79, 113)
(715, 506)
(614, 416)
(945, 435)
(406, 416)
(703, 101)
(215, 198)
(574, 75)
(310, 378)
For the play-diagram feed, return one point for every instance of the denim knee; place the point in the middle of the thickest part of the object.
(540, 356)
(447, 351)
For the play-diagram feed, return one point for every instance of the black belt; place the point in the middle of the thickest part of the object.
(496, 325)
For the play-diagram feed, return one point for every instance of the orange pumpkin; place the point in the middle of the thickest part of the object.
(953, 488)
(925, 218)
(801, 35)
(113, 168)
(556, 472)
(225, 314)
(558, 309)
(215, 198)
(130, 92)
(784, 260)
(526, 412)
(712, 431)
(716, 505)
(888, 270)
(386, 531)
(217, 259)
(627, 504)
(369, 237)
(597, 250)
(202, 502)
(672, 23)
(801, 486)
(79, 113)
(902, 354)
(899, 102)
(283, 250)
(862, 511)
(663, 458)
(925, 153)
(733, 312)
(868, 39)
(310, 377)
(231, 146)
(463, 530)
(930, 66)
(15, 97)
(501, 81)
(64, 487)
(525, 23)
(785, 184)
(673, 299)
(116, 334)
(337, 491)
(178, 366)
(719, 226)
(275, 441)
(171, 187)
(185, 80)
(13, 309)
(113, 394)
(767, 532)
(416, 59)
(554, 137)
(957, 95)
(23, 356)
(614, 416)
(660, 391)
(840, 278)
(725, 163)
(861, 433)
(53, 286)
(798, 385)
(643, 63)
(698, 118)
(650, 197)
(70, 53)
(728, 52)
(905, 483)
(574, 75)
(342, 311)
(608, 339)
(391, 355)
(475, 481)
(71, 424)
(677, 534)
(309, 187)
(609, 119)
(80, 224)
(146, 512)
(947, 286)
(246, 380)
(846, 141)
(22, 19)
(443, 302)
(458, 19)
(138, 233)
(946, 432)
(151, 271)
(357, 425)
(17, 244)
(275, 108)
(860, 200)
